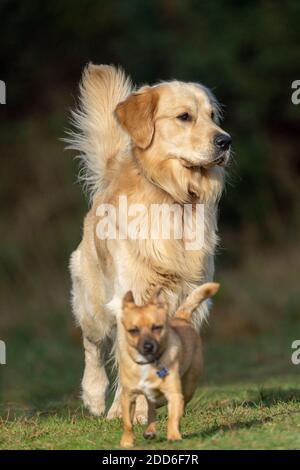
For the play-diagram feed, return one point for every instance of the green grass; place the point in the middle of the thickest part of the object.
(240, 417)
(249, 397)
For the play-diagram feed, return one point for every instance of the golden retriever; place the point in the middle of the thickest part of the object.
(159, 145)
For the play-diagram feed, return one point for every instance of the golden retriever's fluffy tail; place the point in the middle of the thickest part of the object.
(97, 136)
(197, 296)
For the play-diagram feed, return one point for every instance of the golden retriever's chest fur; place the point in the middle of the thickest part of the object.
(148, 261)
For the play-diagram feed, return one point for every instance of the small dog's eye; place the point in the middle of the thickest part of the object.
(212, 115)
(133, 331)
(184, 117)
(156, 327)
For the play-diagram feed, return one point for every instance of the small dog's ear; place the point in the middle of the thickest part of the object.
(158, 297)
(128, 300)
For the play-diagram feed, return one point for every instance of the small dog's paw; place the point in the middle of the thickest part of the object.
(150, 431)
(126, 442)
(174, 436)
(149, 434)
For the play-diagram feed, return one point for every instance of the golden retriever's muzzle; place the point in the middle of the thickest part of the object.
(222, 143)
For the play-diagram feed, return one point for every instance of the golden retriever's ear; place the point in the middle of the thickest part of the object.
(128, 300)
(136, 115)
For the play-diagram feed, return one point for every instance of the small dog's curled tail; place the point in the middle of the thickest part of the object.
(98, 137)
(197, 296)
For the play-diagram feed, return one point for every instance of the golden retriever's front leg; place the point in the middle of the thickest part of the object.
(140, 415)
(95, 381)
(128, 406)
(115, 410)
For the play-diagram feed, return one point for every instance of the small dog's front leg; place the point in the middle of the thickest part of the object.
(128, 406)
(175, 411)
(150, 432)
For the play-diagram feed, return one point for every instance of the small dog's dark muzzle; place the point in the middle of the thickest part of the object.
(148, 347)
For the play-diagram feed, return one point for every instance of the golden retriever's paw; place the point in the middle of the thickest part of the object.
(95, 405)
(115, 411)
(140, 417)
(126, 441)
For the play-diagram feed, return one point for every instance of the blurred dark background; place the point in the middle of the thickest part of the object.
(249, 54)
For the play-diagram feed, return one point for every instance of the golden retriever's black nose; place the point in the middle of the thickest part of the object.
(222, 141)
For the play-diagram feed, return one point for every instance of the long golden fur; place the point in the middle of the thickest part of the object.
(154, 145)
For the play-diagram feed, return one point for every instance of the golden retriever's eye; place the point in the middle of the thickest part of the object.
(133, 331)
(157, 327)
(184, 117)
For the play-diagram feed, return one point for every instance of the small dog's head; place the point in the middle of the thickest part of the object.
(146, 326)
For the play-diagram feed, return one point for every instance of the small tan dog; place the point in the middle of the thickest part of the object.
(161, 358)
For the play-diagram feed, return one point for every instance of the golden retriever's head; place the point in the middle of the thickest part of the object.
(145, 327)
(175, 125)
